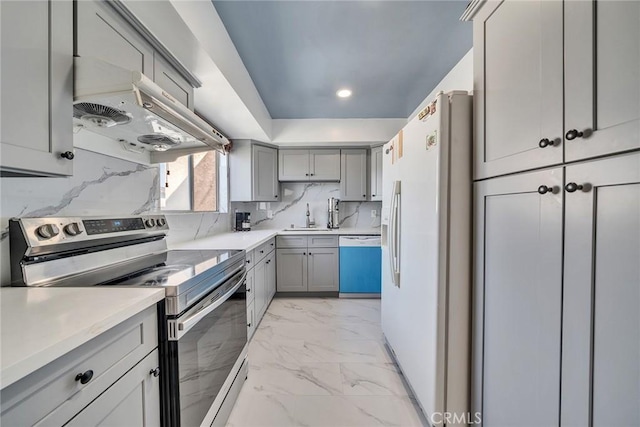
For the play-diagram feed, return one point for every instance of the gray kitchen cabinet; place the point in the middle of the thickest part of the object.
(322, 270)
(309, 165)
(36, 63)
(307, 263)
(376, 174)
(170, 80)
(270, 272)
(518, 299)
(54, 395)
(518, 86)
(102, 33)
(292, 270)
(265, 173)
(601, 312)
(602, 77)
(353, 176)
(134, 400)
(253, 172)
(260, 287)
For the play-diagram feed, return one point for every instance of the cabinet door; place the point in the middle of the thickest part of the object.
(353, 177)
(601, 343)
(292, 270)
(376, 173)
(518, 294)
(250, 285)
(324, 165)
(265, 174)
(602, 69)
(169, 79)
(260, 287)
(271, 276)
(323, 270)
(133, 400)
(518, 91)
(251, 319)
(102, 33)
(36, 64)
(293, 165)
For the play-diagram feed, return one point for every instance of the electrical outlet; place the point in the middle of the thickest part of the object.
(374, 213)
(269, 214)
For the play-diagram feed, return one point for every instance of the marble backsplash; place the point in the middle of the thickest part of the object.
(100, 185)
(292, 208)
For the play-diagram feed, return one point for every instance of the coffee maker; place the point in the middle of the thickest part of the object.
(333, 220)
(243, 221)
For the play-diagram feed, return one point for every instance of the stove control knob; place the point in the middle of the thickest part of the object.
(161, 222)
(47, 231)
(72, 229)
(150, 222)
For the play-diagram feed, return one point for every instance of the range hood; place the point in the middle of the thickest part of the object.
(128, 107)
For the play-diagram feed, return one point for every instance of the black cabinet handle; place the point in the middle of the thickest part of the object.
(85, 377)
(306, 174)
(543, 189)
(67, 155)
(268, 261)
(271, 244)
(155, 372)
(276, 196)
(248, 289)
(364, 195)
(572, 187)
(573, 134)
(261, 252)
(546, 142)
(304, 253)
(373, 195)
(312, 174)
(248, 325)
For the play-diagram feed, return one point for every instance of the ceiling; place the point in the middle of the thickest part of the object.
(391, 54)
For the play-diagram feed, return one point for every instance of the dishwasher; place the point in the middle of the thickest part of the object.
(360, 266)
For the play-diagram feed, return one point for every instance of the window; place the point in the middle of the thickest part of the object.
(192, 183)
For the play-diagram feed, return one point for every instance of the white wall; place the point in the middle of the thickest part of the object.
(328, 131)
(459, 78)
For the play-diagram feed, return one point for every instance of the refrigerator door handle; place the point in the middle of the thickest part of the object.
(394, 235)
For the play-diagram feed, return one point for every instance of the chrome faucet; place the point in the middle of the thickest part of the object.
(309, 222)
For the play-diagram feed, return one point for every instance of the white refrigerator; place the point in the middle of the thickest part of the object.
(426, 265)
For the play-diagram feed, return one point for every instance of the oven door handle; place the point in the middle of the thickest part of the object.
(185, 325)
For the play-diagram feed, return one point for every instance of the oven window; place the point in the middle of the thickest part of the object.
(206, 355)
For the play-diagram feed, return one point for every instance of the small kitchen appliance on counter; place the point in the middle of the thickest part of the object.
(202, 321)
(243, 221)
(333, 220)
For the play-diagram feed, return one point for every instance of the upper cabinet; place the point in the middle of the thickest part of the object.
(353, 182)
(309, 165)
(376, 174)
(102, 33)
(253, 172)
(517, 86)
(602, 77)
(36, 64)
(538, 64)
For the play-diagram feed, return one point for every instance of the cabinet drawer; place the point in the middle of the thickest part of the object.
(263, 250)
(291, 242)
(53, 392)
(322, 241)
(250, 260)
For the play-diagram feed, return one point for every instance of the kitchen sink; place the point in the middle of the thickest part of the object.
(307, 230)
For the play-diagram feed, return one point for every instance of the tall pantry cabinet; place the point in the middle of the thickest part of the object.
(557, 212)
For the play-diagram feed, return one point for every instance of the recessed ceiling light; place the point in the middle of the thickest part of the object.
(344, 93)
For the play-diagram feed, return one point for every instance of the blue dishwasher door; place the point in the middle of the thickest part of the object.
(360, 268)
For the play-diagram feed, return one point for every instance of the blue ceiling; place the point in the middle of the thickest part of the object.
(390, 53)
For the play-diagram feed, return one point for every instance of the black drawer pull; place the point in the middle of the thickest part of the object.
(155, 372)
(543, 189)
(85, 377)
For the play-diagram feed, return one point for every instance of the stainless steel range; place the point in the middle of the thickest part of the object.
(203, 322)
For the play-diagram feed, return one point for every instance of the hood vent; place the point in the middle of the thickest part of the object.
(128, 107)
(99, 115)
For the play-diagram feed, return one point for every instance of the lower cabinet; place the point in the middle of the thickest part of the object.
(557, 296)
(261, 283)
(307, 264)
(131, 401)
(110, 380)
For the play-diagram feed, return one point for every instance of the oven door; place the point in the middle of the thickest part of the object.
(205, 345)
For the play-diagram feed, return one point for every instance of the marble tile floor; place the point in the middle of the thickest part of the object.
(322, 362)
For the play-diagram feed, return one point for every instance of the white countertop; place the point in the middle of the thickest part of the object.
(38, 325)
(248, 240)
